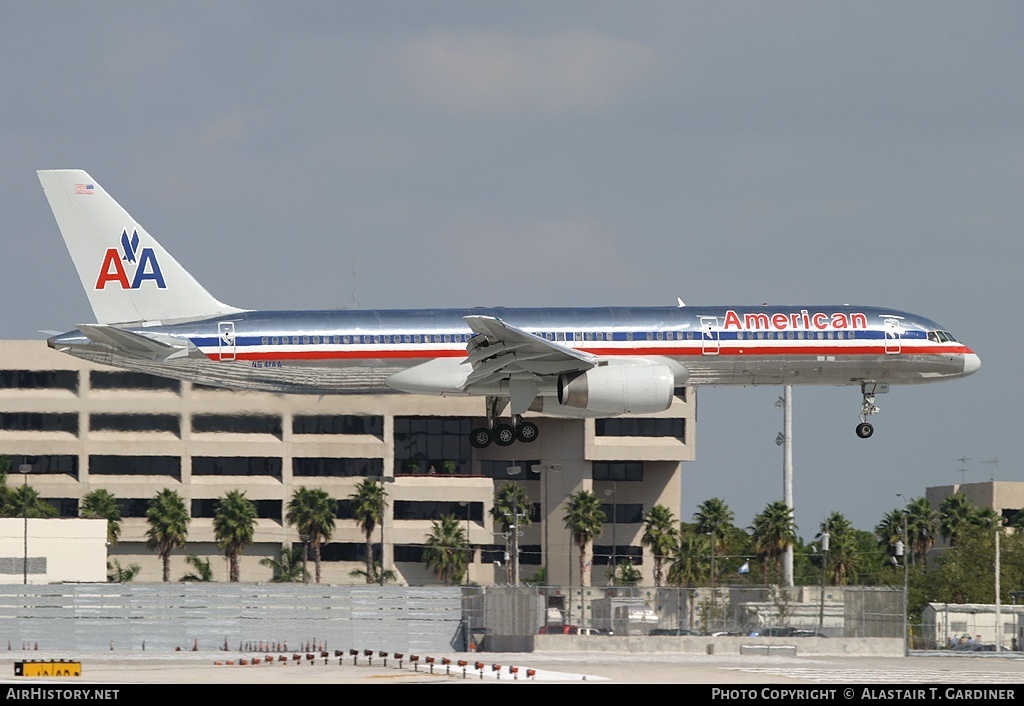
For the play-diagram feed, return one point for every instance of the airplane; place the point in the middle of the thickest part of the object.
(154, 317)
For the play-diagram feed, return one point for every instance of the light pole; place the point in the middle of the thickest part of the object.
(513, 528)
(902, 546)
(469, 547)
(545, 506)
(383, 504)
(825, 537)
(714, 590)
(24, 469)
(998, 522)
(615, 511)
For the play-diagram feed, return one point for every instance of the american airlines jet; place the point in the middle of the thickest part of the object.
(153, 316)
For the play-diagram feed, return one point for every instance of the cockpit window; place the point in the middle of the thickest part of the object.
(941, 337)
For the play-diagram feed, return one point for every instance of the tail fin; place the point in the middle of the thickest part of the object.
(127, 275)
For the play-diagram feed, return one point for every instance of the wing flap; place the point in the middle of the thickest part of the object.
(500, 352)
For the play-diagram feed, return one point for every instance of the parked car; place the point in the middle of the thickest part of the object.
(673, 631)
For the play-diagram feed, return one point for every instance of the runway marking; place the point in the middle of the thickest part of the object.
(876, 676)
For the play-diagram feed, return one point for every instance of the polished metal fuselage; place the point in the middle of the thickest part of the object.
(354, 352)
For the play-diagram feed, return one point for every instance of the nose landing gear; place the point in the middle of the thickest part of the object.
(868, 390)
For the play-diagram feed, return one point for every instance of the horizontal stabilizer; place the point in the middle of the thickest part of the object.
(132, 345)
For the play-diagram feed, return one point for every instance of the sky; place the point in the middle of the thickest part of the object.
(457, 154)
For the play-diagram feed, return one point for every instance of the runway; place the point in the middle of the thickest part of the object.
(514, 668)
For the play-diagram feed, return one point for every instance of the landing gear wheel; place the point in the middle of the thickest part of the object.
(504, 435)
(480, 438)
(865, 430)
(528, 432)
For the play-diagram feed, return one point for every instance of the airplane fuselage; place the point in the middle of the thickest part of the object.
(356, 352)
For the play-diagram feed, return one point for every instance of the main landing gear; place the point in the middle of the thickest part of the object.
(502, 434)
(868, 390)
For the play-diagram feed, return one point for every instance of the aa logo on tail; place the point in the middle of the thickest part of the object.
(145, 265)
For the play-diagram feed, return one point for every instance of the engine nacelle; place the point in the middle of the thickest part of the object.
(618, 389)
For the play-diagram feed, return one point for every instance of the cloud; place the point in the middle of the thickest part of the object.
(486, 73)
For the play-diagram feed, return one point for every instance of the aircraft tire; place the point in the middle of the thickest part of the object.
(504, 435)
(480, 438)
(865, 430)
(528, 432)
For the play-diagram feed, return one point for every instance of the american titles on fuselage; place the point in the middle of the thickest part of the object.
(779, 321)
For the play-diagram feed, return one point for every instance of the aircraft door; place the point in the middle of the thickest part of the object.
(893, 342)
(709, 342)
(226, 340)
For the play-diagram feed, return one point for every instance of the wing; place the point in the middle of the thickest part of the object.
(499, 352)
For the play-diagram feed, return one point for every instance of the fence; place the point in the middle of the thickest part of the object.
(527, 610)
(230, 616)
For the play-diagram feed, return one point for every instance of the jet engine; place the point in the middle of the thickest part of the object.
(618, 389)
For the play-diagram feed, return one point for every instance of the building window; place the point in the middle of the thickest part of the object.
(338, 424)
(603, 554)
(338, 467)
(411, 553)
(441, 443)
(236, 424)
(121, 380)
(47, 465)
(641, 426)
(265, 509)
(623, 513)
(436, 509)
(343, 551)
(39, 421)
(136, 466)
(65, 507)
(135, 422)
(618, 470)
(490, 553)
(39, 380)
(236, 466)
(133, 507)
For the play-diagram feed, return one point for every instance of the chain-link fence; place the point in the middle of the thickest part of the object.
(767, 610)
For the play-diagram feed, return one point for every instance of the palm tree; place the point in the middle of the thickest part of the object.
(773, 532)
(842, 551)
(955, 517)
(234, 525)
(168, 526)
(446, 550)
(691, 560)
(625, 574)
(202, 573)
(312, 511)
(375, 576)
(121, 574)
(512, 510)
(660, 536)
(24, 499)
(714, 518)
(290, 567)
(101, 504)
(584, 519)
(890, 530)
(368, 504)
(922, 526)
